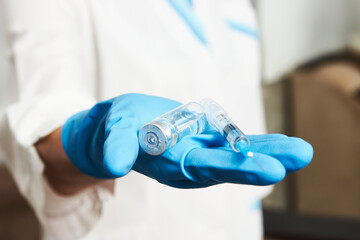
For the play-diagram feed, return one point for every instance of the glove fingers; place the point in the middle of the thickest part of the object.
(207, 165)
(168, 168)
(121, 149)
(294, 153)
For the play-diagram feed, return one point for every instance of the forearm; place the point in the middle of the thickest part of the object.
(62, 175)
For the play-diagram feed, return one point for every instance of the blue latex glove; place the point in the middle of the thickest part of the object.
(103, 142)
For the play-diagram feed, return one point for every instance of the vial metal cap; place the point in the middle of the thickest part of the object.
(154, 137)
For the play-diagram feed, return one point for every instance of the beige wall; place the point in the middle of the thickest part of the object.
(2, 62)
(298, 30)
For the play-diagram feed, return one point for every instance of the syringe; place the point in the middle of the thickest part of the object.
(218, 119)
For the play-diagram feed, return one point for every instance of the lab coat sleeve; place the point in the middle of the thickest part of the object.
(51, 76)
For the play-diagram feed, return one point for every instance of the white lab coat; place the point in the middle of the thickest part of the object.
(65, 55)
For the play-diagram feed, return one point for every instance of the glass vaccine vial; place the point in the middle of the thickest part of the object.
(168, 129)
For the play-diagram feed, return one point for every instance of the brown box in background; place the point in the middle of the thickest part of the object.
(324, 104)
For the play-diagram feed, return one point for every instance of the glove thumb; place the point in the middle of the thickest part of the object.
(121, 148)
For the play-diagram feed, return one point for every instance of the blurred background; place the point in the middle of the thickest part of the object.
(311, 79)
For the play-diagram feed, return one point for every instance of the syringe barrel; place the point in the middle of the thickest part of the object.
(218, 118)
(168, 129)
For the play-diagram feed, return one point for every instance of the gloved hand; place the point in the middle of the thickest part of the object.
(103, 142)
